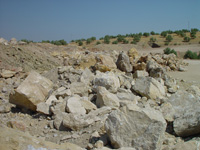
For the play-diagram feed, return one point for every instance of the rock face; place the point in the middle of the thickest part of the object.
(187, 113)
(149, 87)
(135, 127)
(105, 98)
(123, 62)
(33, 90)
(108, 80)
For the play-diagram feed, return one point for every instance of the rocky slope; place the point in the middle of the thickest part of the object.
(99, 100)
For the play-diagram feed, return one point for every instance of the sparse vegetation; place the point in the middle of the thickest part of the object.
(27, 41)
(169, 51)
(57, 42)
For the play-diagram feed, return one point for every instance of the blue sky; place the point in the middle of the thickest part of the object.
(74, 19)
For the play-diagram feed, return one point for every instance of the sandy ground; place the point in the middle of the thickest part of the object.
(192, 74)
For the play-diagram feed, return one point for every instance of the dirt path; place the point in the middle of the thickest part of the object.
(192, 74)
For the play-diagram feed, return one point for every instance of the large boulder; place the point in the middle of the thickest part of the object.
(77, 122)
(133, 53)
(149, 87)
(187, 112)
(108, 80)
(13, 41)
(87, 76)
(105, 98)
(104, 63)
(123, 62)
(33, 90)
(73, 105)
(136, 127)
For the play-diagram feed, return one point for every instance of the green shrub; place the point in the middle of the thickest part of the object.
(107, 39)
(88, 41)
(169, 38)
(59, 42)
(191, 55)
(93, 38)
(166, 43)
(137, 38)
(125, 41)
(133, 42)
(101, 38)
(169, 51)
(120, 38)
(46, 41)
(153, 33)
(164, 34)
(98, 42)
(186, 39)
(146, 34)
(115, 42)
(193, 33)
(199, 55)
(80, 43)
(152, 40)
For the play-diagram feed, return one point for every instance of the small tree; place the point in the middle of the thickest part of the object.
(169, 38)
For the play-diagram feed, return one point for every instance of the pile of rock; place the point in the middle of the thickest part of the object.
(129, 104)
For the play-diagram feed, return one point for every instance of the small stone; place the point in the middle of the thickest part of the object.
(99, 144)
